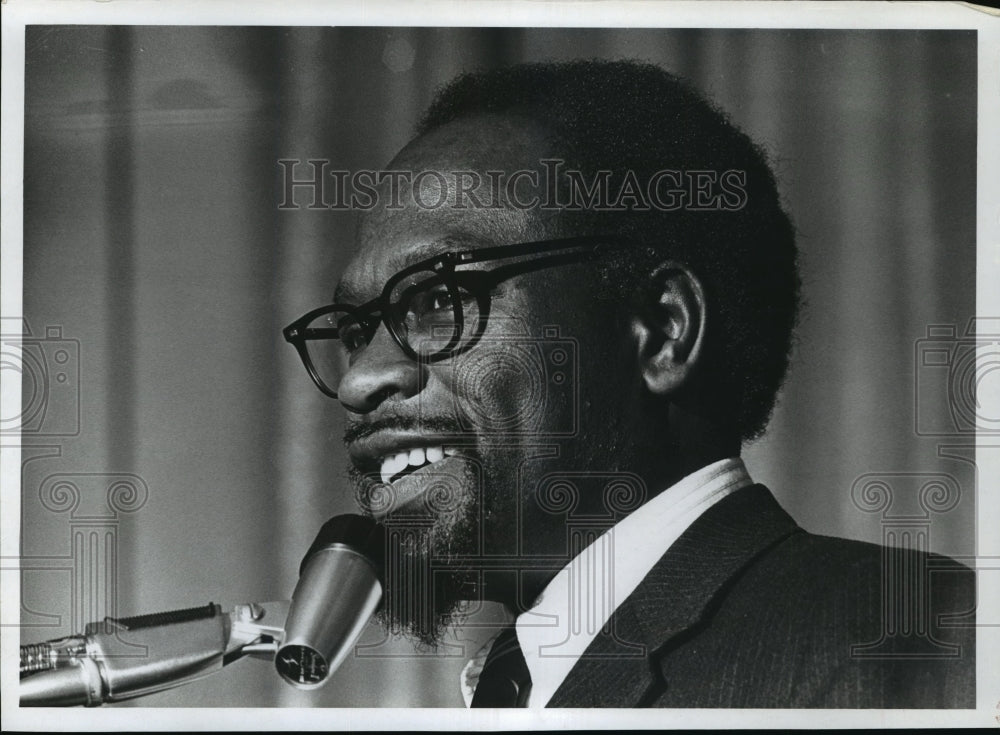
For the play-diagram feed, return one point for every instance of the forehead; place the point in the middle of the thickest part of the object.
(391, 238)
(370, 268)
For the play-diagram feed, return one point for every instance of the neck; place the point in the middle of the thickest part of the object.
(689, 441)
(670, 443)
(519, 590)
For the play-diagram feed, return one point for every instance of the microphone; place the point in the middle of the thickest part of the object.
(339, 587)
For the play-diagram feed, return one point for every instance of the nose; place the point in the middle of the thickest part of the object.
(382, 372)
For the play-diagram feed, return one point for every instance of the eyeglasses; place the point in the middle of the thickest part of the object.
(433, 310)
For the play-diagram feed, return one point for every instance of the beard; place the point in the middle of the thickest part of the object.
(500, 501)
(443, 550)
(435, 543)
(426, 588)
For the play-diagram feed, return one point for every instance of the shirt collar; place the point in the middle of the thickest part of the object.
(581, 598)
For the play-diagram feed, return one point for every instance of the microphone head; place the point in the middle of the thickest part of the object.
(358, 532)
(339, 587)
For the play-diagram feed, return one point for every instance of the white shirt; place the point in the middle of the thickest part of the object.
(580, 599)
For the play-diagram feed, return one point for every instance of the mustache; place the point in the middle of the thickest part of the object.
(423, 424)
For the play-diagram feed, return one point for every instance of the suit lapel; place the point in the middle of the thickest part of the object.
(619, 668)
(614, 671)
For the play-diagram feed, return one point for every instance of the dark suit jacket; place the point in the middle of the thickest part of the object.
(748, 610)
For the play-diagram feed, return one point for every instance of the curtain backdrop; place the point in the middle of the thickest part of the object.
(153, 239)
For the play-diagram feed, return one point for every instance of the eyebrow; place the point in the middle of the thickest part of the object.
(348, 293)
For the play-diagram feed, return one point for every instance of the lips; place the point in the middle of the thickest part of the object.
(398, 465)
(370, 448)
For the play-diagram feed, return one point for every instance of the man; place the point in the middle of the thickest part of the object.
(572, 302)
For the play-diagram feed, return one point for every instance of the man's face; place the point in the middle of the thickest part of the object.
(463, 456)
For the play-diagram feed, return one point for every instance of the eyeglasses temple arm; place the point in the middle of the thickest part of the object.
(590, 242)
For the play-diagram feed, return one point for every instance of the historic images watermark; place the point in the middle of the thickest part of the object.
(551, 186)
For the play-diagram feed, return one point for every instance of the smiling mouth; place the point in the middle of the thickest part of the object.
(401, 464)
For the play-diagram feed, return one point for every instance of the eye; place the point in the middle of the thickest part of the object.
(352, 335)
(427, 302)
(440, 298)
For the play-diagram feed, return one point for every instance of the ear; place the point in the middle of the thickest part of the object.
(669, 327)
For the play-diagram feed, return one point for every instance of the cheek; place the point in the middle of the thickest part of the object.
(521, 380)
(517, 386)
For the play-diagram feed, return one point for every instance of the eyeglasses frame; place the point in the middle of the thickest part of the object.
(483, 283)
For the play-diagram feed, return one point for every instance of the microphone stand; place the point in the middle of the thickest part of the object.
(340, 585)
(122, 658)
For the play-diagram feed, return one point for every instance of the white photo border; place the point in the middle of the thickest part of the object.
(16, 14)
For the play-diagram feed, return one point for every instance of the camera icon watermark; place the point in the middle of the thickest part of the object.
(49, 367)
(513, 384)
(952, 372)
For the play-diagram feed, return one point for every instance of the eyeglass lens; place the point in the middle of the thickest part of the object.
(432, 315)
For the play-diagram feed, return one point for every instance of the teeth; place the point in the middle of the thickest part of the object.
(392, 465)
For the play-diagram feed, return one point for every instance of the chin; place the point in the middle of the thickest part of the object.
(439, 522)
(432, 540)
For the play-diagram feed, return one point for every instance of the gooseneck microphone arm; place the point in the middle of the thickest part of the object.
(122, 658)
(339, 587)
